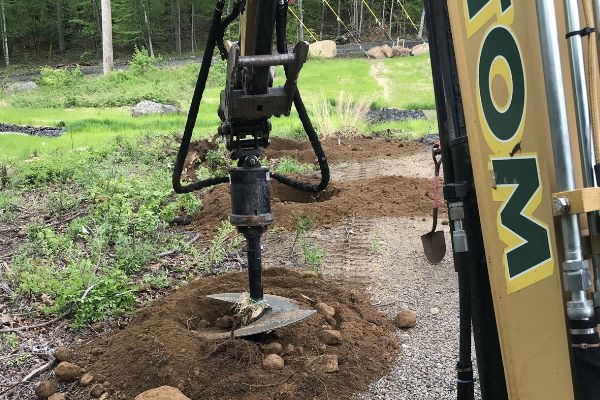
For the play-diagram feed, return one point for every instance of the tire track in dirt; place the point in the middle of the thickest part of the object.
(409, 166)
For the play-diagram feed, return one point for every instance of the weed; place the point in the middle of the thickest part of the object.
(289, 165)
(141, 62)
(375, 245)
(344, 117)
(225, 241)
(4, 177)
(18, 360)
(157, 280)
(60, 77)
(9, 342)
(313, 255)
(218, 162)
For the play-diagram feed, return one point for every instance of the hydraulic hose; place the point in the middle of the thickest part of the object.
(280, 24)
(215, 34)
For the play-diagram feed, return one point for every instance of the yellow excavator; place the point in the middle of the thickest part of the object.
(516, 87)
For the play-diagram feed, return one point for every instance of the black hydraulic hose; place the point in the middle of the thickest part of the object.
(215, 34)
(281, 22)
(464, 367)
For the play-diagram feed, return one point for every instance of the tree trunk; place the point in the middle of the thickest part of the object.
(322, 20)
(421, 24)
(193, 29)
(176, 13)
(383, 13)
(147, 21)
(60, 23)
(97, 15)
(339, 21)
(4, 35)
(301, 25)
(107, 46)
(391, 16)
(361, 19)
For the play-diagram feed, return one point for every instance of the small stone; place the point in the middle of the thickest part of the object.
(98, 390)
(273, 348)
(445, 222)
(98, 326)
(47, 301)
(299, 350)
(434, 310)
(203, 324)
(45, 389)
(97, 351)
(63, 354)
(330, 337)
(58, 396)
(273, 362)
(86, 380)
(327, 363)
(325, 309)
(67, 372)
(225, 322)
(331, 321)
(162, 393)
(21, 233)
(289, 349)
(405, 319)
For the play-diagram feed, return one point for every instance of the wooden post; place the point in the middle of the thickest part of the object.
(107, 45)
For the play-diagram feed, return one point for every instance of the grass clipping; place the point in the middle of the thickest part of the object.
(248, 310)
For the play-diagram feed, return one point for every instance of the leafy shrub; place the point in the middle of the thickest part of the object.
(60, 77)
(289, 165)
(141, 62)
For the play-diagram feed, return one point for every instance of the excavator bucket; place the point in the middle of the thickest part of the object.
(281, 312)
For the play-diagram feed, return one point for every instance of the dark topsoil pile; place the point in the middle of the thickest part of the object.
(163, 345)
(393, 196)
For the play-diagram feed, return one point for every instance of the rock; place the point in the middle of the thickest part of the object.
(203, 324)
(97, 390)
(63, 354)
(387, 50)
(399, 51)
(147, 107)
(86, 380)
(96, 351)
(22, 232)
(405, 319)
(327, 363)
(58, 396)
(47, 301)
(225, 322)
(330, 337)
(434, 310)
(325, 309)
(21, 86)
(376, 53)
(273, 361)
(420, 49)
(162, 393)
(273, 348)
(45, 389)
(322, 49)
(67, 372)
(289, 349)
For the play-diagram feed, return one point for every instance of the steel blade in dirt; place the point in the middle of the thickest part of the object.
(434, 246)
(283, 312)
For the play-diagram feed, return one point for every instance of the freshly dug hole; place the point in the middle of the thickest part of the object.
(162, 345)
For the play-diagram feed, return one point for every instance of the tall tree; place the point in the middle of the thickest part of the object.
(339, 21)
(107, 45)
(4, 35)
(301, 24)
(176, 15)
(193, 29)
(60, 23)
(148, 28)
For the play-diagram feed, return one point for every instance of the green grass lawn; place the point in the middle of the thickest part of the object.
(95, 109)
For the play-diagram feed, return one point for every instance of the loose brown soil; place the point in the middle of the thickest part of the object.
(162, 345)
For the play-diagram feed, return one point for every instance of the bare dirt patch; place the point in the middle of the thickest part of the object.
(164, 345)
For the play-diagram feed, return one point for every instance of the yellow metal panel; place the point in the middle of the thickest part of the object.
(511, 157)
(581, 200)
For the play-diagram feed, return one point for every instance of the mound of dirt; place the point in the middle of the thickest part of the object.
(167, 344)
(345, 150)
(393, 196)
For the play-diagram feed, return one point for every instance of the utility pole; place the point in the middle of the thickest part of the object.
(107, 45)
(4, 35)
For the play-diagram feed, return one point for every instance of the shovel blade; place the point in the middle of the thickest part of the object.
(282, 312)
(434, 246)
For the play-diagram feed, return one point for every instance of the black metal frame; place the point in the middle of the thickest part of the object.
(476, 297)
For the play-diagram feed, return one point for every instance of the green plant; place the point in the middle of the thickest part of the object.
(60, 77)
(313, 255)
(19, 359)
(289, 165)
(342, 117)
(375, 245)
(9, 342)
(225, 241)
(141, 62)
(157, 280)
(218, 162)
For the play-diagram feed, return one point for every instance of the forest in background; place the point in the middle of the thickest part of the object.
(69, 31)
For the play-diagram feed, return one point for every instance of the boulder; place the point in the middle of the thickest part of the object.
(330, 337)
(376, 53)
(147, 107)
(67, 372)
(405, 319)
(322, 49)
(387, 50)
(420, 49)
(162, 393)
(327, 363)
(45, 389)
(273, 348)
(21, 86)
(400, 51)
(273, 362)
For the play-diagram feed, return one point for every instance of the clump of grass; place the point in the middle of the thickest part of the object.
(289, 165)
(313, 255)
(345, 117)
(225, 241)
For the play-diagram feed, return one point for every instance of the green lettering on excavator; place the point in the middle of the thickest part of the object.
(475, 6)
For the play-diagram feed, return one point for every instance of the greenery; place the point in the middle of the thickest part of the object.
(225, 242)
(313, 255)
(291, 166)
